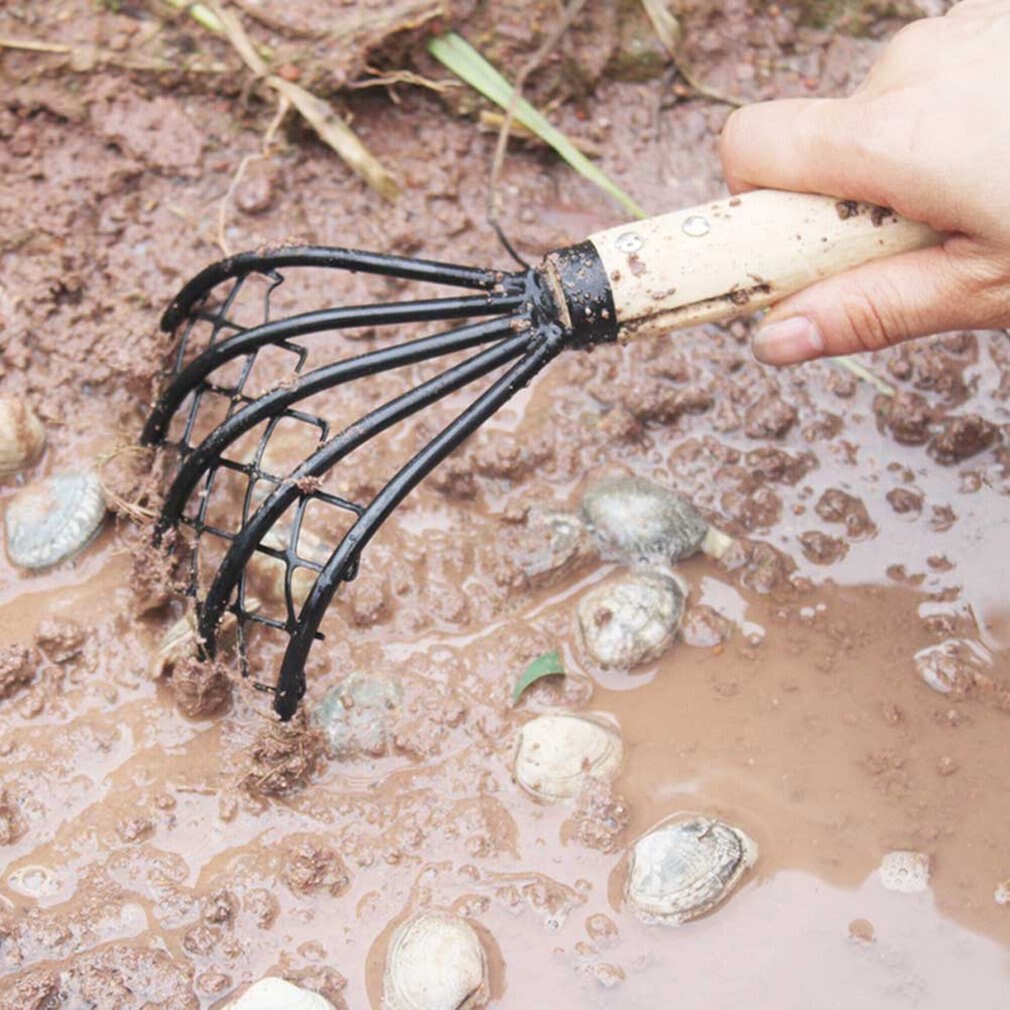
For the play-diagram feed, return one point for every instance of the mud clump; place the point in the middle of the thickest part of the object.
(906, 417)
(201, 687)
(962, 437)
(12, 826)
(600, 818)
(311, 866)
(770, 417)
(18, 664)
(60, 639)
(284, 758)
(837, 506)
(822, 549)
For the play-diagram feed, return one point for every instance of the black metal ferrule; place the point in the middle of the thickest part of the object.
(586, 289)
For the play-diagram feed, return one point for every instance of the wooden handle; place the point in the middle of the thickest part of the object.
(741, 254)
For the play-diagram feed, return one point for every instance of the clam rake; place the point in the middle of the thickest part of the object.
(641, 279)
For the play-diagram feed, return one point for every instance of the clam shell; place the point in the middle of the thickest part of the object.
(683, 869)
(21, 435)
(638, 520)
(905, 871)
(276, 994)
(435, 962)
(358, 714)
(54, 519)
(630, 619)
(269, 571)
(556, 754)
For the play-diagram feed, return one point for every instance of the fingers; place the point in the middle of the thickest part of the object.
(805, 145)
(881, 303)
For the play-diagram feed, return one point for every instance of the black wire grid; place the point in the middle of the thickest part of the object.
(515, 317)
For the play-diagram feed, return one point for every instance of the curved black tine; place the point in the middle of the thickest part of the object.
(291, 680)
(247, 341)
(246, 541)
(274, 403)
(327, 257)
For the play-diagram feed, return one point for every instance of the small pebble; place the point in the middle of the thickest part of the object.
(905, 871)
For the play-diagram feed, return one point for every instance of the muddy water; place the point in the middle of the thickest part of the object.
(151, 860)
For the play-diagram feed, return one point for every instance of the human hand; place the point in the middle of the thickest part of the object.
(928, 134)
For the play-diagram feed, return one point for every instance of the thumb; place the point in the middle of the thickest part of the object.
(910, 295)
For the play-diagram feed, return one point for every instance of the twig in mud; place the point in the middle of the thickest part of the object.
(283, 106)
(389, 81)
(668, 31)
(860, 371)
(30, 45)
(570, 13)
(319, 114)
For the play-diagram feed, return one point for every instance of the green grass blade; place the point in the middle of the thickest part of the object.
(547, 665)
(455, 53)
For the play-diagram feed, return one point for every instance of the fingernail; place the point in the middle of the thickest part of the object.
(788, 341)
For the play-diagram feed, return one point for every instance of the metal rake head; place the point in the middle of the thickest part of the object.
(210, 406)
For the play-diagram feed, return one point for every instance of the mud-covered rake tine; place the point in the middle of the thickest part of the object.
(344, 560)
(324, 257)
(248, 341)
(277, 401)
(329, 455)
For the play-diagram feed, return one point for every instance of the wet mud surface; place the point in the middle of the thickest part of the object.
(840, 687)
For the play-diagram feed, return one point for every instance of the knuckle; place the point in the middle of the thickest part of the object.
(875, 319)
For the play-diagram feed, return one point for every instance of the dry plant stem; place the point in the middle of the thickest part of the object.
(283, 105)
(571, 12)
(331, 129)
(669, 33)
(30, 45)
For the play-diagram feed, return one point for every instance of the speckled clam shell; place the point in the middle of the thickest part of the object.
(435, 962)
(22, 436)
(630, 619)
(556, 753)
(54, 519)
(358, 714)
(276, 994)
(635, 519)
(685, 868)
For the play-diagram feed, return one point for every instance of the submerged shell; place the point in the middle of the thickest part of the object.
(54, 519)
(556, 754)
(269, 571)
(683, 869)
(276, 994)
(358, 714)
(435, 962)
(21, 435)
(630, 619)
(905, 871)
(639, 520)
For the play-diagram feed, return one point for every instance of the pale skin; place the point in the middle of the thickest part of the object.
(928, 134)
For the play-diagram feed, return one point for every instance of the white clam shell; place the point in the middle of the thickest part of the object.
(685, 868)
(637, 519)
(269, 571)
(276, 994)
(630, 619)
(21, 435)
(905, 871)
(435, 962)
(556, 753)
(54, 519)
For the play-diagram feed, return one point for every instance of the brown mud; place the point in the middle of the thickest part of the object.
(155, 860)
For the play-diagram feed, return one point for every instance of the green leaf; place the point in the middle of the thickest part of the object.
(454, 52)
(547, 665)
